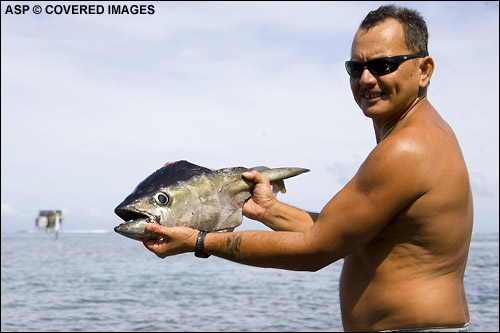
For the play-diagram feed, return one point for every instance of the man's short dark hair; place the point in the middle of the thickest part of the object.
(414, 26)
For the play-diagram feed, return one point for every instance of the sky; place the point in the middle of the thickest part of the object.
(91, 104)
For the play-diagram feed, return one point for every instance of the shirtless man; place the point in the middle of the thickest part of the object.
(403, 223)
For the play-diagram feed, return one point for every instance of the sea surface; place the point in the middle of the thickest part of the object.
(106, 282)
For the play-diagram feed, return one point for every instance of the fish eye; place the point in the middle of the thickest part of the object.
(162, 198)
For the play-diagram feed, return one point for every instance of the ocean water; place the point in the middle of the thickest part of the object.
(106, 282)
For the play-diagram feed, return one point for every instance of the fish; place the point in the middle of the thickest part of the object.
(185, 194)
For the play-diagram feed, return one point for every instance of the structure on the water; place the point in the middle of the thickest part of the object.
(49, 220)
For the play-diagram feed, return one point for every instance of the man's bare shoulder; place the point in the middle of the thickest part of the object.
(425, 161)
(400, 158)
(425, 146)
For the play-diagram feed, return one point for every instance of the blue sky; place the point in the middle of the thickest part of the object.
(92, 104)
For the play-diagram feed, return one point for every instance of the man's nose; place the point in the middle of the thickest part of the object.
(367, 78)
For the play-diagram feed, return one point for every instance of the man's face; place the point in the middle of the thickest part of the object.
(386, 95)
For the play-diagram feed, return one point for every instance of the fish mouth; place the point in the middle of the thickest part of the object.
(134, 223)
(130, 215)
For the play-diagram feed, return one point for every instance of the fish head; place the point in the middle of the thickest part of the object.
(173, 195)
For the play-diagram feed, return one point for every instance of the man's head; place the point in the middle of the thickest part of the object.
(414, 26)
(388, 86)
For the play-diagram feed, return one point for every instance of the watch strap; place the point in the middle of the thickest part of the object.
(200, 245)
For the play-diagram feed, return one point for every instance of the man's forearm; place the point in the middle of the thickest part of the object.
(283, 217)
(285, 250)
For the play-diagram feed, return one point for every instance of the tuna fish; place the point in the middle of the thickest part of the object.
(185, 194)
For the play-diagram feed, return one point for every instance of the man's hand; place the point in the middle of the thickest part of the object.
(264, 207)
(262, 198)
(171, 241)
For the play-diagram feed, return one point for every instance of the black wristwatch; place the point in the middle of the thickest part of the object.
(200, 247)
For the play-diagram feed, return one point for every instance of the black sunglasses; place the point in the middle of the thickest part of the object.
(378, 66)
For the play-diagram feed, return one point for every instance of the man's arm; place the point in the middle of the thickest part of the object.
(273, 249)
(389, 180)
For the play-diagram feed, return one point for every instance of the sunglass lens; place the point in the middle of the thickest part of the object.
(382, 66)
(354, 69)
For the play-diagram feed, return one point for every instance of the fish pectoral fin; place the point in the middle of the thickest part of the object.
(275, 176)
(282, 173)
(278, 184)
(260, 168)
(238, 186)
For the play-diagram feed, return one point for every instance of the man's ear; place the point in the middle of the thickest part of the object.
(426, 70)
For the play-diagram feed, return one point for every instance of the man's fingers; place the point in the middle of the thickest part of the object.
(156, 229)
(256, 176)
(248, 175)
(149, 243)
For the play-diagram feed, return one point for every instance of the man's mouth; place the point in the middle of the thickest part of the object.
(370, 95)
